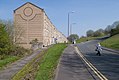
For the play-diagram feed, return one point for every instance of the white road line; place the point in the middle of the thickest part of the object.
(100, 75)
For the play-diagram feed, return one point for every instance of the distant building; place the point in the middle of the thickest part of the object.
(31, 22)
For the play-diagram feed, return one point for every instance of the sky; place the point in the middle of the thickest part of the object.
(88, 14)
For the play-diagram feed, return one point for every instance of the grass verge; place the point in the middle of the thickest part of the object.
(49, 62)
(29, 69)
(7, 60)
(84, 39)
(112, 42)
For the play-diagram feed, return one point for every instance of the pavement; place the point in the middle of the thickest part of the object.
(11, 70)
(71, 66)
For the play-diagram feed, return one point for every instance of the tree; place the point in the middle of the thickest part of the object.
(115, 31)
(90, 33)
(5, 44)
(18, 33)
(9, 27)
(101, 30)
(72, 37)
(110, 27)
(98, 33)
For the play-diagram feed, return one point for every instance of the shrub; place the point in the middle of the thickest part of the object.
(19, 51)
(5, 44)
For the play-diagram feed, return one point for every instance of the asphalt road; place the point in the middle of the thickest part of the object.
(71, 67)
(107, 63)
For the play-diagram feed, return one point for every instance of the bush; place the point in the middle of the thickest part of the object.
(19, 51)
(5, 44)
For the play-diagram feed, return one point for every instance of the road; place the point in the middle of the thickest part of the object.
(71, 67)
(107, 63)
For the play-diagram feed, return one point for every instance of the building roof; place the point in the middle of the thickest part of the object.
(29, 3)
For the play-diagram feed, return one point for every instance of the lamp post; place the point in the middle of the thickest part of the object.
(71, 27)
(68, 20)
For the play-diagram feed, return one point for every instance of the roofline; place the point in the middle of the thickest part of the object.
(29, 3)
(45, 15)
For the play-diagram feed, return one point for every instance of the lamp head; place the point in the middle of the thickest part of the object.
(72, 11)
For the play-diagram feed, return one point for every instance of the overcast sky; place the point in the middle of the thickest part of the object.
(89, 14)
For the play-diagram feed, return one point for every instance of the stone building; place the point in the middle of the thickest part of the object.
(31, 22)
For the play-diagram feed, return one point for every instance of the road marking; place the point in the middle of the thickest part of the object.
(100, 75)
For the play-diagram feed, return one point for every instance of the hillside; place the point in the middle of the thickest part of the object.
(84, 39)
(112, 42)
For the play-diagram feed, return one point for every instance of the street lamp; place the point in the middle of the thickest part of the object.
(68, 20)
(71, 27)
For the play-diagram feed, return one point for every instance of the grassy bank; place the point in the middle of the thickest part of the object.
(29, 70)
(86, 39)
(112, 42)
(49, 62)
(7, 60)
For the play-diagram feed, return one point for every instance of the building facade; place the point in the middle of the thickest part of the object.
(31, 22)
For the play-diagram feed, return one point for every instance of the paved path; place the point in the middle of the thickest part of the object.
(12, 69)
(71, 67)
